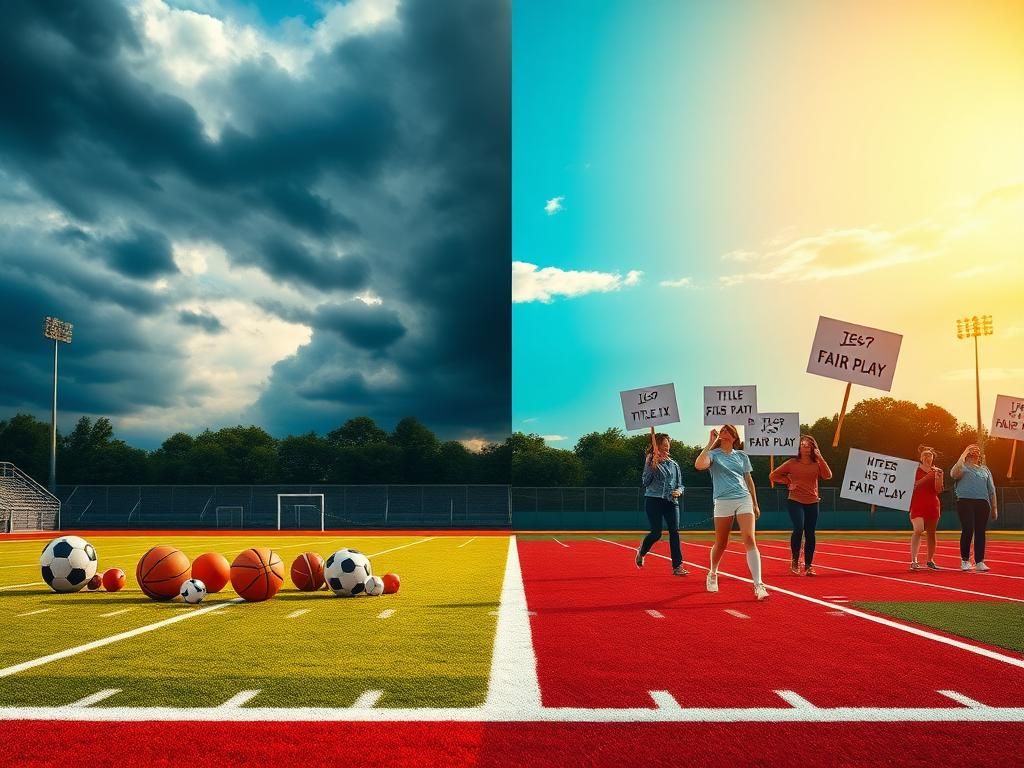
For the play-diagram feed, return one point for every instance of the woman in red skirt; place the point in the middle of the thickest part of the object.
(925, 506)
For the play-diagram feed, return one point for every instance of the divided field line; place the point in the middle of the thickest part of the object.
(967, 701)
(664, 700)
(558, 542)
(239, 699)
(926, 584)
(18, 586)
(189, 614)
(820, 551)
(33, 613)
(367, 699)
(1019, 663)
(95, 698)
(795, 700)
(465, 543)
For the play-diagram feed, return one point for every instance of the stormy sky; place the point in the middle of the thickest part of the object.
(280, 214)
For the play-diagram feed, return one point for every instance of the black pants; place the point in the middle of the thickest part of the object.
(805, 521)
(658, 510)
(974, 514)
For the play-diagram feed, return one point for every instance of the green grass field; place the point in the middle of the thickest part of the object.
(433, 650)
(999, 624)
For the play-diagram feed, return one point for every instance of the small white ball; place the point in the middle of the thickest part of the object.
(375, 586)
(193, 591)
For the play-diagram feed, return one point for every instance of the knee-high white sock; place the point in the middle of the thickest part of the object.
(713, 568)
(915, 545)
(754, 563)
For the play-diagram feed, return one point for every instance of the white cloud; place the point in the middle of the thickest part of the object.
(682, 282)
(352, 19)
(554, 205)
(530, 283)
(554, 438)
(475, 444)
(193, 258)
(530, 420)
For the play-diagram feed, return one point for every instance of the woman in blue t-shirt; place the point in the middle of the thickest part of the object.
(735, 497)
(975, 503)
(663, 485)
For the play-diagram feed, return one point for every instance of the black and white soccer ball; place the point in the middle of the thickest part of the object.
(68, 563)
(346, 572)
(193, 591)
(374, 586)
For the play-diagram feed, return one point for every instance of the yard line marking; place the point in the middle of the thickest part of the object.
(959, 698)
(513, 685)
(16, 586)
(1019, 663)
(835, 613)
(115, 613)
(465, 543)
(558, 542)
(16, 668)
(33, 613)
(655, 614)
(386, 614)
(795, 700)
(367, 699)
(94, 698)
(664, 700)
(833, 597)
(737, 614)
(404, 546)
(239, 699)
(296, 614)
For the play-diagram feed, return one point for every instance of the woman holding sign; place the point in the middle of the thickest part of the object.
(801, 474)
(663, 485)
(735, 497)
(925, 507)
(975, 503)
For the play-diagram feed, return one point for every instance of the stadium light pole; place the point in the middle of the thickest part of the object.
(59, 331)
(972, 328)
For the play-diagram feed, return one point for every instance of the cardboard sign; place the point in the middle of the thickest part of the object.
(772, 434)
(729, 405)
(650, 406)
(854, 353)
(875, 478)
(1008, 419)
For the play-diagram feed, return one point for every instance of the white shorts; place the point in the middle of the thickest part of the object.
(730, 507)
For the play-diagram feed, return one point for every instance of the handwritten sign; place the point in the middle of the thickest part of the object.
(875, 478)
(1008, 419)
(650, 406)
(854, 353)
(772, 434)
(729, 405)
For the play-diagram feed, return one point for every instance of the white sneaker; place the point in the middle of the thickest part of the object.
(760, 592)
(965, 565)
(712, 582)
(981, 566)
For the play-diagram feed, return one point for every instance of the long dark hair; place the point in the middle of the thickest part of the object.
(658, 437)
(737, 443)
(814, 447)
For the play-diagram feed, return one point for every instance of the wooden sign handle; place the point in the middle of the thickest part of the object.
(1013, 457)
(842, 415)
(771, 468)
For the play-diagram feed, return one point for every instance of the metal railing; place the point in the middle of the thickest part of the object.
(25, 505)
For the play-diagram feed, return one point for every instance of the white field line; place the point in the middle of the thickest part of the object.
(835, 613)
(239, 699)
(33, 613)
(513, 685)
(182, 616)
(296, 614)
(558, 542)
(655, 614)
(1019, 663)
(905, 547)
(795, 700)
(466, 542)
(386, 614)
(959, 698)
(991, 545)
(18, 586)
(737, 614)
(95, 698)
(821, 551)
(664, 700)
(918, 583)
(116, 613)
(367, 699)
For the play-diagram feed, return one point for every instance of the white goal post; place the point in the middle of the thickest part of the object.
(300, 496)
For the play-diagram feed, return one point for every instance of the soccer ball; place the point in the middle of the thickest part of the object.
(346, 572)
(374, 586)
(68, 563)
(193, 591)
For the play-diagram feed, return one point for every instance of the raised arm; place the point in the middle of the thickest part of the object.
(703, 459)
(958, 469)
(824, 470)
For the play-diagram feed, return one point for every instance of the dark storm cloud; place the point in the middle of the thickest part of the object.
(383, 168)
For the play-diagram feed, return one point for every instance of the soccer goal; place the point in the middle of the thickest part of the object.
(230, 517)
(300, 510)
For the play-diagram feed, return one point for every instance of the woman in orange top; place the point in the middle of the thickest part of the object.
(925, 506)
(801, 474)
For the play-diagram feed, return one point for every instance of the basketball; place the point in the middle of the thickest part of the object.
(113, 580)
(162, 571)
(257, 574)
(391, 583)
(308, 572)
(213, 570)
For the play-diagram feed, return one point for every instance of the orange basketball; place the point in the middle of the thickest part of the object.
(257, 574)
(113, 580)
(308, 572)
(162, 571)
(391, 583)
(213, 570)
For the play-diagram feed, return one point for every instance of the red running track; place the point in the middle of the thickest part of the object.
(597, 646)
(29, 744)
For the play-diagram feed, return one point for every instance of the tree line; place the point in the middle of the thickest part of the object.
(358, 451)
(884, 425)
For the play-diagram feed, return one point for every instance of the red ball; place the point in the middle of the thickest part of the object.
(308, 572)
(113, 580)
(213, 570)
(391, 583)
(94, 582)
